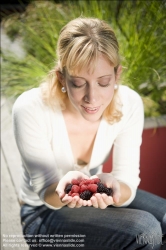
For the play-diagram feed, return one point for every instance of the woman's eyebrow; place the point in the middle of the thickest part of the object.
(85, 79)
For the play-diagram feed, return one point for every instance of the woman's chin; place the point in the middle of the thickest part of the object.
(92, 117)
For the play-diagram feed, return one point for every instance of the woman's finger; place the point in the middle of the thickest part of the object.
(107, 199)
(94, 201)
(101, 203)
(79, 203)
(74, 201)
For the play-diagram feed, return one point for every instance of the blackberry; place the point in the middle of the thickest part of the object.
(68, 188)
(86, 195)
(100, 187)
(108, 191)
(103, 189)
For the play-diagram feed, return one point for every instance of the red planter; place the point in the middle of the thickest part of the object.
(152, 162)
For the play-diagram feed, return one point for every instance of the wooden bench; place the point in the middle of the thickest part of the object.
(11, 232)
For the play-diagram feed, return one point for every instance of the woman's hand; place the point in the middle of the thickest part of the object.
(70, 201)
(102, 200)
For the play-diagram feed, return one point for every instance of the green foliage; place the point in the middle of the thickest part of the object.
(139, 25)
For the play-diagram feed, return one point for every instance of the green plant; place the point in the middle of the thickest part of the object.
(139, 25)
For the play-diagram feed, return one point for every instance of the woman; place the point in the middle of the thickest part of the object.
(65, 130)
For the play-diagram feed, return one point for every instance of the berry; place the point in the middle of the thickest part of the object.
(70, 193)
(92, 188)
(75, 182)
(88, 182)
(96, 180)
(74, 194)
(108, 191)
(91, 181)
(100, 188)
(75, 189)
(85, 181)
(82, 182)
(103, 189)
(83, 188)
(86, 195)
(68, 188)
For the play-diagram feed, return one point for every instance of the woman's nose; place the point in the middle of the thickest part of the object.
(91, 95)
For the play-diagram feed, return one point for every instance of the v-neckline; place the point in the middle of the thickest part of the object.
(68, 144)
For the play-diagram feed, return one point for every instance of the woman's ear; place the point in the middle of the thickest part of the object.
(118, 73)
(60, 77)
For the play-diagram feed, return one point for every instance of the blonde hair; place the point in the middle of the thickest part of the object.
(79, 45)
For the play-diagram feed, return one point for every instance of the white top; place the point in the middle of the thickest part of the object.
(45, 149)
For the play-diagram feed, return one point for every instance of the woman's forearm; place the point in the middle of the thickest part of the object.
(125, 194)
(52, 198)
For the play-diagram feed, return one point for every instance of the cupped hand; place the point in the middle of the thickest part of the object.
(72, 202)
(102, 200)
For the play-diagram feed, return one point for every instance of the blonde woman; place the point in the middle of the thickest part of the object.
(65, 130)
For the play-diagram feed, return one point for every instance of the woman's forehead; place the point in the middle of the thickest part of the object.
(88, 67)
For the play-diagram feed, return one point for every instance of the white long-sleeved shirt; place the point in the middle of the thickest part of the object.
(45, 149)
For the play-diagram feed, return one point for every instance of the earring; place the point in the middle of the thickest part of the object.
(115, 86)
(63, 89)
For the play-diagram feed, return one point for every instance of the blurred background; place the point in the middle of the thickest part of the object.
(30, 29)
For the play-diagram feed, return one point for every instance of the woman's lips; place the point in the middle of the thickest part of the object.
(91, 110)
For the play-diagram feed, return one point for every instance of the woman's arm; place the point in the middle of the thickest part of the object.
(126, 150)
(30, 131)
(125, 194)
(52, 198)
(124, 178)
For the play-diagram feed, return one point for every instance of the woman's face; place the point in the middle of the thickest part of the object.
(90, 93)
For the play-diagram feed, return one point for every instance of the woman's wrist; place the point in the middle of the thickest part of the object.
(125, 192)
(52, 198)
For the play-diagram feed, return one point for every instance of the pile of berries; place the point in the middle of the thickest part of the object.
(85, 188)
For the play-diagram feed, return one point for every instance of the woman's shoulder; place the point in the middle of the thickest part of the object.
(29, 97)
(132, 104)
(31, 102)
(129, 96)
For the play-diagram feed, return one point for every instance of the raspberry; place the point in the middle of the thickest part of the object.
(70, 193)
(88, 182)
(82, 182)
(92, 188)
(75, 182)
(68, 188)
(83, 188)
(74, 194)
(86, 195)
(85, 181)
(96, 180)
(75, 189)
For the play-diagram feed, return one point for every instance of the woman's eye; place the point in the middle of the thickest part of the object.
(104, 84)
(78, 84)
